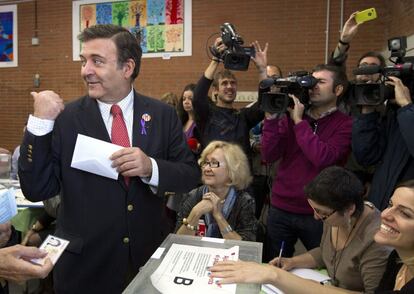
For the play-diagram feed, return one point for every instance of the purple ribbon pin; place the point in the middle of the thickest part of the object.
(143, 130)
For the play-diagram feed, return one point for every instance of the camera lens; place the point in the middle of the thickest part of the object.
(234, 59)
(395, 44)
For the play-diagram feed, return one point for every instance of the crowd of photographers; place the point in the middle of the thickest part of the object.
(381, 135)
(307, 123)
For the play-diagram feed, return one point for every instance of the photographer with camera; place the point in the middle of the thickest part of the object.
(349, 103)
(222, 121)
(340, 55)
(381, 137)
(306, 141)
(388, 141)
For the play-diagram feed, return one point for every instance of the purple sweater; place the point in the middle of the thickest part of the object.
(303, 154)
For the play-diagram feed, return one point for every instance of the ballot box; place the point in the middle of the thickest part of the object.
(247, 251)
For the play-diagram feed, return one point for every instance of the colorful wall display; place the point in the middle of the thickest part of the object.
(8, 35)
(164, 25)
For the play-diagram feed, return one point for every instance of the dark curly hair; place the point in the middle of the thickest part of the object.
(336, 188)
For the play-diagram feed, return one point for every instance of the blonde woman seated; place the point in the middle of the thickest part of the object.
(227, 210)
(353, 260)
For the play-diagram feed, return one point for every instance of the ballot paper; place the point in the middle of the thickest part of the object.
(305, 273)
(54, 247)
(92, 155)
(8, 206)
(310, 274)
(184, 270)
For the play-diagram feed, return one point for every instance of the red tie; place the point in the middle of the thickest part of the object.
(119, 131)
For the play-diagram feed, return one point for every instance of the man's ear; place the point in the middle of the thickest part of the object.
(339, 90)
(128, 68)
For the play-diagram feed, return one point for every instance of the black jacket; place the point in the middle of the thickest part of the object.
(387, 142)
(387, 282)
(218, 123)
(113, 229)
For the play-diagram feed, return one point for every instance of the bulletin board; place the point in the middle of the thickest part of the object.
(8, 35)
(164, 25)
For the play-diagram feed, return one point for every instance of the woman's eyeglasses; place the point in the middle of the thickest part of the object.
(212, 164)
(322, 216)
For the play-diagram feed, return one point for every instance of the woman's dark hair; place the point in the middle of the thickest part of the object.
(182, 114)
(336, 188)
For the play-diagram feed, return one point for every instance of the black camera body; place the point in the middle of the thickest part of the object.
(403, 68)
(370, 94)
(236, 56)
(278, 100)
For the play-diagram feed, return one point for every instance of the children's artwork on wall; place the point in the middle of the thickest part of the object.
(164, 25)
(8, 35)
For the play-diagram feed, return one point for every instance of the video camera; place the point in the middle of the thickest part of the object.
(403, 68)
(236, 56)
(278, 100)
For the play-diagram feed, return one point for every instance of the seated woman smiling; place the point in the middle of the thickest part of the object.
(397, 230)
(227, 210)
(347, 250)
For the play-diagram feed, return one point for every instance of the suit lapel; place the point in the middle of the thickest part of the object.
(141, 131)
(90, 118)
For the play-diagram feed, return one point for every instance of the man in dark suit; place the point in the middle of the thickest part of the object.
(113, 226)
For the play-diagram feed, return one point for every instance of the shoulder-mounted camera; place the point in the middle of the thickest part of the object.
(402, 68)
(277, 99)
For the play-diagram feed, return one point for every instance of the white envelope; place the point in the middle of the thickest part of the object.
(92, 155)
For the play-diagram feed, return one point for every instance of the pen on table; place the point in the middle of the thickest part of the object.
(280, 254)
